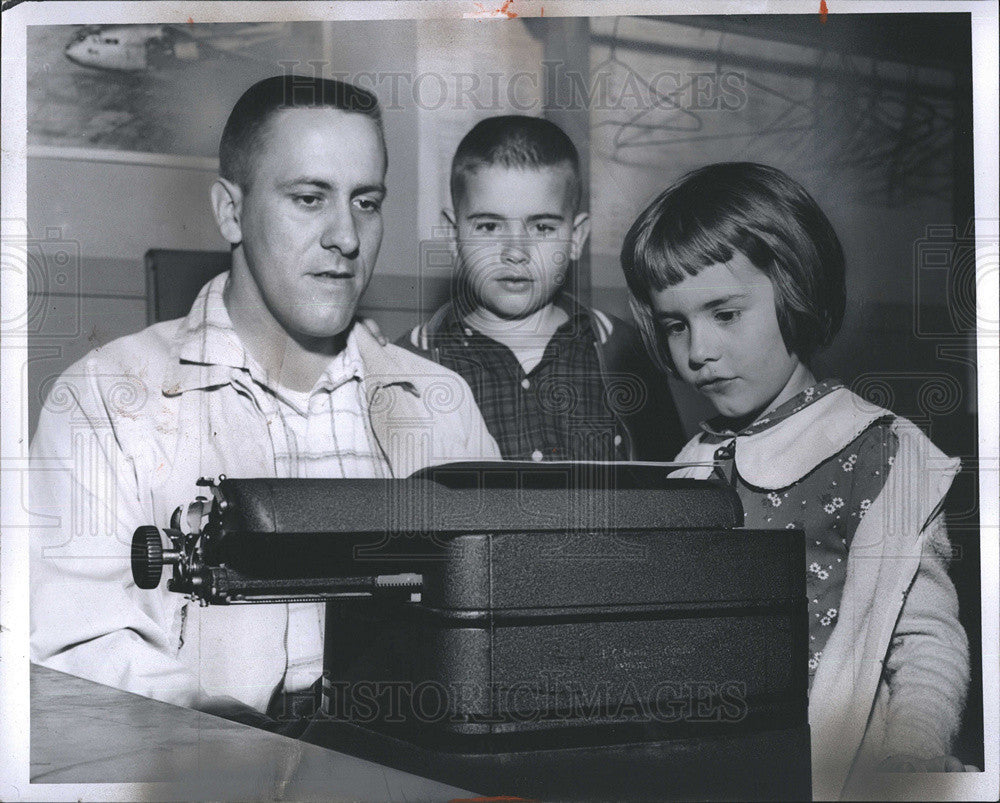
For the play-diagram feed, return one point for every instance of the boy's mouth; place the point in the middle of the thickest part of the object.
(515, 284)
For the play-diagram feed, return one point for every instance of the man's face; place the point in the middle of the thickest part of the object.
(516, 232)
(310, 222)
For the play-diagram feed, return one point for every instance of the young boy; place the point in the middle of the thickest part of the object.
(553, 379)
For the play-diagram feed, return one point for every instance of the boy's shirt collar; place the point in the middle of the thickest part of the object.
(719, 427)
(447, 322)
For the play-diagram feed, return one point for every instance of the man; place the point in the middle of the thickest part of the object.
(267, 376)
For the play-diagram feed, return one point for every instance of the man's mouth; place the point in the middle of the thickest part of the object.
(332, 275)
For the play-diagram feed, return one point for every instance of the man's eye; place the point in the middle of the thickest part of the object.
(308, 201)
(727, 315)
(369, 204)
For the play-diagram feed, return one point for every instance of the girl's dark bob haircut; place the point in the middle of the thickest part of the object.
(758, 211)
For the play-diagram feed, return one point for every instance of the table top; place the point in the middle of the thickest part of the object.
(83, 732)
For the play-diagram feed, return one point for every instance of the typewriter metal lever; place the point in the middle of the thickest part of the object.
(206, 568)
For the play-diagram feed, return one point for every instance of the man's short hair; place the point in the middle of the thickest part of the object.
(518, 142)
(248, 120)
(712, 213)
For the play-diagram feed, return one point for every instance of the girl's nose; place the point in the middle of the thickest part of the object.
(703, 345)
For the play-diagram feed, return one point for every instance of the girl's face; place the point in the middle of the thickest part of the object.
(722, 331)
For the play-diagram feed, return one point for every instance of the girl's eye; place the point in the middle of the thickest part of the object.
(727, 315)
(672, 328)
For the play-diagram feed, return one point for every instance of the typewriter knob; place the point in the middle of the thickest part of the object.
(147, 557)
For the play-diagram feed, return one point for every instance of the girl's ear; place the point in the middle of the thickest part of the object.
(227, 204)
(448, 215)
(581, 231)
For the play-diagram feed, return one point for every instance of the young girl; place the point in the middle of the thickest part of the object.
(737, 279)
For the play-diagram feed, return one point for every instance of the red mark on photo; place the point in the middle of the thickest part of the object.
(503, 11)
(823, 11)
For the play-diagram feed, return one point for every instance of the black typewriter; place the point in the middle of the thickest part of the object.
(561, 630)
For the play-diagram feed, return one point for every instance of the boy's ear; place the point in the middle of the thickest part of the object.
(581, 231)
(448, 215)
(227, 204)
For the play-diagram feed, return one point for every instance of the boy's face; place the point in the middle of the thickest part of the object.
(309, 224)
(721, 327)
(516, 232)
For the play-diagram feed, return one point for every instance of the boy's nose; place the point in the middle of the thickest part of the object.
(514, 252)
(341, 233)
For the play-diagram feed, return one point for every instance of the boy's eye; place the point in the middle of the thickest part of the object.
(544, 229)
(485, 227)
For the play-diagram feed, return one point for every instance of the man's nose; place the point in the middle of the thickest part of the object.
(341, 232)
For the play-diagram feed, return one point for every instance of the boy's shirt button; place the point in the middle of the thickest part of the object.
(536, 456)
(618, 440)
(525, 383)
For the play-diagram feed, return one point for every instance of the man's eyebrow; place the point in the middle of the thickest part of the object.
(364, 189)
(305, 181)
(320, 184)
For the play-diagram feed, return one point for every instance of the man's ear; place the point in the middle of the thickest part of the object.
(227, 204)
(581, 231)
(451, 222)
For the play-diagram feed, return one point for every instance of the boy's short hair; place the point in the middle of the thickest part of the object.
(715, 211)
(248, 120)
(514, 141)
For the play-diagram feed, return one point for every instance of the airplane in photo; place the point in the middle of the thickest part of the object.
(137, 48)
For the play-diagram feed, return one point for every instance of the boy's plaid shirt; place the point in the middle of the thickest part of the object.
(561, 410)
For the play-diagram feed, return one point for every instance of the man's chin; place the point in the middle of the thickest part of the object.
(319, 334)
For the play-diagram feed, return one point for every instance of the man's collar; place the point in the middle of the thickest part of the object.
(208, 352)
